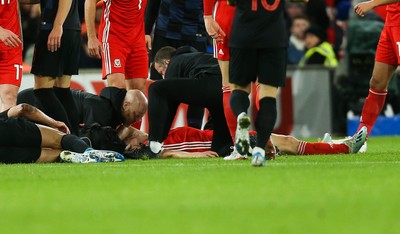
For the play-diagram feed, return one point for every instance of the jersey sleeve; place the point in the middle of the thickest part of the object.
(208, 6)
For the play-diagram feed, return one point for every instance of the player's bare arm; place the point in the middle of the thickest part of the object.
(54, 39)
(363, 7)
(9, 38)
(151, 15)
(212, 26)
(35, 115)
(148, 42)
(94, 46)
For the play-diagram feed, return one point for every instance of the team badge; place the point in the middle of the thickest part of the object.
(221, 52)
(117, 63)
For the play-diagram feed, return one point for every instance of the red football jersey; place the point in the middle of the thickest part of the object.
(393, 14)
(123, 21)
(188, 139)
(9, 19)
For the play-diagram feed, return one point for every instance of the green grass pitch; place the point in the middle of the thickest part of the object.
(314, 194)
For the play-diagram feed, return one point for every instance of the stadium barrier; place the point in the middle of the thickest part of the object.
(384, 126)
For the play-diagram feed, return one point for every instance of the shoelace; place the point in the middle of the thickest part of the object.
(99, 153)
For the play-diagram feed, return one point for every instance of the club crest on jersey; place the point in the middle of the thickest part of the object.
(221, 52)
(117, 63)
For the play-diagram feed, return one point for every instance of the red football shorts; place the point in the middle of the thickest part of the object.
(11, 66)
(224, 17)
(131, 61)
(388, 51)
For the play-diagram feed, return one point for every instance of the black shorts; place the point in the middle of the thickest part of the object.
(20, 141)
(64, 61)
(266, 64)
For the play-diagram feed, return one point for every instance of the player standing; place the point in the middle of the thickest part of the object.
(387, 58)
(56, 59)
(10, 53)
(123, 49)
(258, 48)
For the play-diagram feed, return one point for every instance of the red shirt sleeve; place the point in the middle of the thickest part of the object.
(208, 6)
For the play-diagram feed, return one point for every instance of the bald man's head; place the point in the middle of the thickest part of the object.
(134, 106)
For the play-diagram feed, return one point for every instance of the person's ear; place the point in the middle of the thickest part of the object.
(125, 105)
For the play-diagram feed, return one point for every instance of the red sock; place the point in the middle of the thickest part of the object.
(230, 117)
(307, 148)
(372, 108)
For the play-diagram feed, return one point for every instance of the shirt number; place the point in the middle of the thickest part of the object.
(398, 47)
(265, 4)
(140, 4)
(18, 71)
(5, 2)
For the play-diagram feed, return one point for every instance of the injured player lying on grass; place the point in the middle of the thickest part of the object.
(27, 135)
(187, 142)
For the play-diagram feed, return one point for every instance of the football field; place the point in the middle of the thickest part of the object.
(292, 194)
